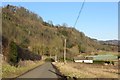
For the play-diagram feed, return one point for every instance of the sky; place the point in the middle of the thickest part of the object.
(97, 20)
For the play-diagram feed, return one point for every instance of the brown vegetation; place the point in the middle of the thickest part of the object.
(81, 70)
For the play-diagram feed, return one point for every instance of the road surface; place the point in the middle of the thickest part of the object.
(44, 71)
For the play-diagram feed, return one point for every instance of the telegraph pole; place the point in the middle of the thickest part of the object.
(65, 51)
(56, 54)
(56, 58)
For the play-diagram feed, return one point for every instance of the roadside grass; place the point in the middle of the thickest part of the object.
(81, 70)
(9, 71)
(70, 71)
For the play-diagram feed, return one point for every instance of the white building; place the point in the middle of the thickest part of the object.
(83, 60)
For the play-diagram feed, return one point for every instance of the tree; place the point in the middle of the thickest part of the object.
(25, 42)
(50, 23)
(81, 48)
(65, 25)
(45, 23)
(58, 25)
(47, 51)
(13, 53)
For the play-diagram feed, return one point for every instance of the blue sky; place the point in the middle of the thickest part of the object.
(98, 20)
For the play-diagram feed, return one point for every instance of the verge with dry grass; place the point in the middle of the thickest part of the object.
(80, 70)
(9, 71)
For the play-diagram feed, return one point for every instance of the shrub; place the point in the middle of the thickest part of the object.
(13, 53)
(99, 62)
(81, 48)
(49, 60)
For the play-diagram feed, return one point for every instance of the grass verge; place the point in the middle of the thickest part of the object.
(80, 70)
(9, 71)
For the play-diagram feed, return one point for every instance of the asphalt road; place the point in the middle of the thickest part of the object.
(44, 71)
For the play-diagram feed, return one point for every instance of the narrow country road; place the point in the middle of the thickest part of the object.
(44, 71)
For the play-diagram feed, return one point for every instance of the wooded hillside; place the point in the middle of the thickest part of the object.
(29, 31)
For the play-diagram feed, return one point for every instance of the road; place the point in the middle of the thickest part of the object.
(44, 71)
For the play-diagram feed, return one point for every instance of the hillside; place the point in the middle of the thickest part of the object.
(30, 32)
(110, 42)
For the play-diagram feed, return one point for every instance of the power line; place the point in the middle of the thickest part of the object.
(79, 13)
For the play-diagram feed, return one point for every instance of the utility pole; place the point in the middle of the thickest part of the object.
(56, 54)
(65, 51)
(56, 58)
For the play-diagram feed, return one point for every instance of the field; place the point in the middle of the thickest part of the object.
(107, 52)
(9, 71)
(81, 70)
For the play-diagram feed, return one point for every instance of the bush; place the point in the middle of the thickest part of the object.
(99, 62)
(81, 48)
(13, 53)
(49, 60)
(25, 42)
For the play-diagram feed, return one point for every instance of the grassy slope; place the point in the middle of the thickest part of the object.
(12, 71)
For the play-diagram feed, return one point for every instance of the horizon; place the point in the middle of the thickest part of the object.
(69, 16)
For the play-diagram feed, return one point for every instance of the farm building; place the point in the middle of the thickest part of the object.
(83, 60)
(91, 59)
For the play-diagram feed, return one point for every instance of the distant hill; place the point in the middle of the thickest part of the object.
(110, 42)
(29, 31)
